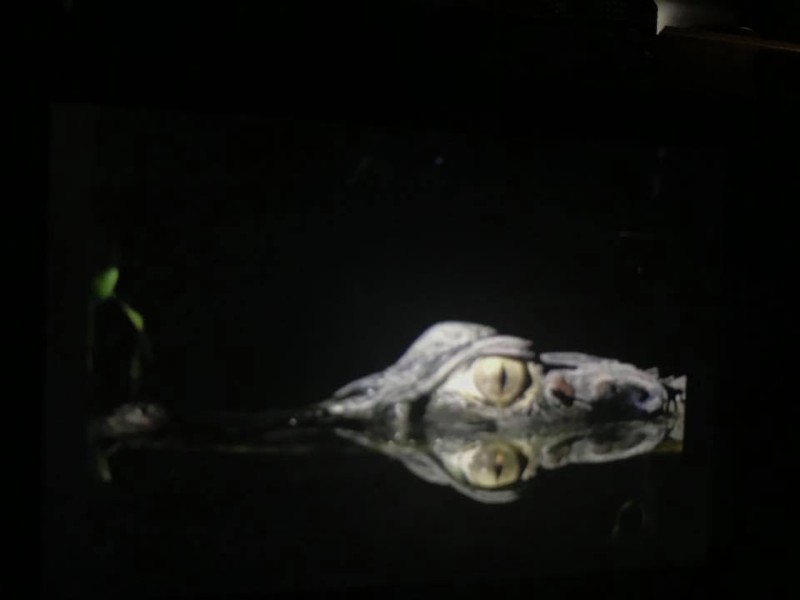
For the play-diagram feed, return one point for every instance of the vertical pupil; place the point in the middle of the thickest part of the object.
(503, 378)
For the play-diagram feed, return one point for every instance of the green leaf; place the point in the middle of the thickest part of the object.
(104, 283)
(134, 317)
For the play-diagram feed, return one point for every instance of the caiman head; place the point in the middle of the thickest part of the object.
(464, 370)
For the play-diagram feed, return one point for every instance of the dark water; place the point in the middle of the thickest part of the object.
(275, 261)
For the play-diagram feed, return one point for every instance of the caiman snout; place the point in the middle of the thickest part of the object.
(605, 388)
(636, 398)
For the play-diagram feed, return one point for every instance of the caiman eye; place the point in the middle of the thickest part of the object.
(494, 465)
(500, 380)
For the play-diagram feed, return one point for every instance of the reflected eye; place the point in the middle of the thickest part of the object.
(494, 465)
(500, 380)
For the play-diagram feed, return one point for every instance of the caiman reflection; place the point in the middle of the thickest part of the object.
(481, 412)
(495, 466)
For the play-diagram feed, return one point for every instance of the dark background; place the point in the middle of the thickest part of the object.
(269, 275)
(271, 271)
(272, 268)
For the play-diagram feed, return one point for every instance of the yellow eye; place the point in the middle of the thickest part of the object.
(494, 465)
(501, 380)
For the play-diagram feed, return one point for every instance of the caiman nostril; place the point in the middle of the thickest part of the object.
(563, 391)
